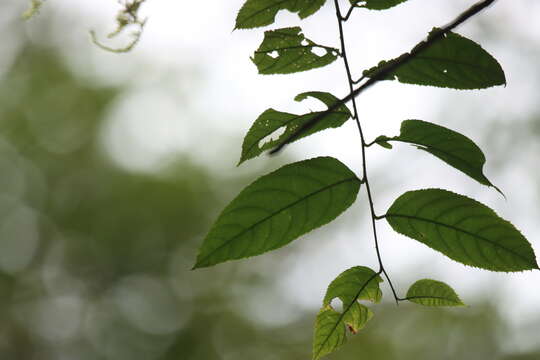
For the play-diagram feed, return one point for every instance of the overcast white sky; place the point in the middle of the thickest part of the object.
(194, 85)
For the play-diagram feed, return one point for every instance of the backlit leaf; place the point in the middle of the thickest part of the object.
(357, 283)
(462, 229)
(451, 147)
(452, 62)
(433, 293)
(256, 13)
(278, 208)
(262, 134)
(376, 4)
(285, 51)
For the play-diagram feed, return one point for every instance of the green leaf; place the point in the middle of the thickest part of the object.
(331, 327)
(376, 4)
(256, 13)
(452, 62)
(433, 293)
(357, 283)
(279, 207)
(462, 229)
(451, 147)
(260, 136)
(383, 141)
(285, 51)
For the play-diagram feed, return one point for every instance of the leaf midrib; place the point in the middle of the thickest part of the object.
(342, 314)
(471, 167)
(433, 297)
(286, 124)
(274, 214)
(449, 226)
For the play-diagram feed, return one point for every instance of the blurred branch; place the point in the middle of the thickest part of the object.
(128, 16)
(35, 5)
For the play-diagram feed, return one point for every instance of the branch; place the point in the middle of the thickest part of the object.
(385, 71)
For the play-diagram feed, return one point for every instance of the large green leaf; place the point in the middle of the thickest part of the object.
(260, 136)
(451, 147)
(462, 229)
(285, 51)
(433, 293)
(452, 62)
(357, 283)
(256, 13)
(376, 4)
(279, 207)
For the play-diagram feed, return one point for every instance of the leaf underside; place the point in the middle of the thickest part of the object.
(256, 13)
(452, 62)
(451, 147)
(287, 50)
(278, 208)
(429, 292)
(376, 4)
(258, 139)
(357, 283)
(462, 229)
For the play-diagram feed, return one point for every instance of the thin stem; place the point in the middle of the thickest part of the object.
(346, 17)
(357, 81)
(389, 68)
(363, 143)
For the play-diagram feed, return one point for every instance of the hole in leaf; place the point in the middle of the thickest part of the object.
(445, 71)
(274, 54)
(337, 305)
(272, 137)
(319, 51)
(304, 42)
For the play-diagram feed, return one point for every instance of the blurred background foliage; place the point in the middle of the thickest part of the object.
(95, 259)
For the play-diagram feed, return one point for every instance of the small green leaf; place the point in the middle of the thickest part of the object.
(383, 141)
(285, 51)
(260, 136)
(433, 293)
(451, 147)
(357, 283)
(452, 62)
(462, 229)
(278, 208)
(331, 327)
(256, 13)
(376, 4)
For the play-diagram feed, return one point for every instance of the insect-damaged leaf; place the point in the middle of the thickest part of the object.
(462, 229)
(279, 207)
(376, 4)
(451, 147)
(256, 13)
(357, 283)
(433, 293)
(452, 62)
(285, 51)
(259, 137)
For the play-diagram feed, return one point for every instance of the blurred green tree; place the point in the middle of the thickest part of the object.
(94, 259)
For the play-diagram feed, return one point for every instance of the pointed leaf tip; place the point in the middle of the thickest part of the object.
(429, 292)
(453, 148)
(451, 62)
(278, 208)
(273, 127)
(462, 229)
